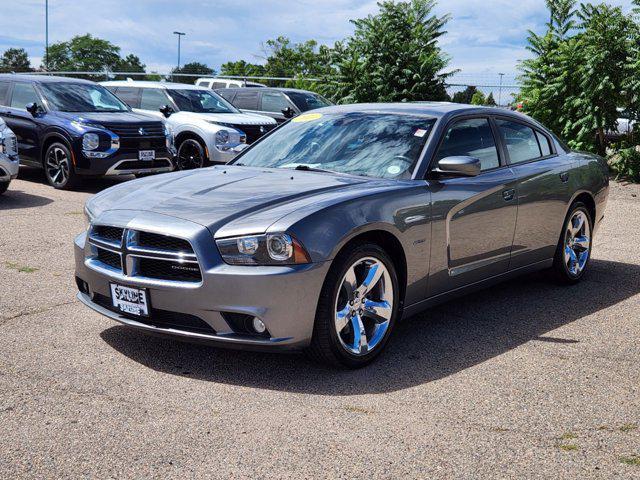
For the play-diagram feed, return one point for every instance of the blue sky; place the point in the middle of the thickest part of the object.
(484, 36)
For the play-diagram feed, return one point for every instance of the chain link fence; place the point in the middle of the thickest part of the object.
(504, 87)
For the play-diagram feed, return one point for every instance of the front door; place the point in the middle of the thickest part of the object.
(23, 124)
(474, 218)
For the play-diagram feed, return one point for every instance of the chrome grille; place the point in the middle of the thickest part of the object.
(143, 254)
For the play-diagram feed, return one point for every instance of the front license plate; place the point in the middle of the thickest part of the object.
(147, 155)
(130, 300)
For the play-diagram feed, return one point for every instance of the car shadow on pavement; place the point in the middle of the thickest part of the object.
(433, 345)
(88, 185)
(14, 199)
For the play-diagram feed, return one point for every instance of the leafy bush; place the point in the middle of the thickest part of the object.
(625, 163)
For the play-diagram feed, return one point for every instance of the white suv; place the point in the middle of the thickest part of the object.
(215, 83)
(8, 156)
(207, 129)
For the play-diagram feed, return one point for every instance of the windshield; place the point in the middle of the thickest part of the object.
(201, 101)
(308, 101)
(81, 97)
(381, 145)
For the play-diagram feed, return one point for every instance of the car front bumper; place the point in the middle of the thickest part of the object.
(283, 297)
(124, 164)
(8, 168)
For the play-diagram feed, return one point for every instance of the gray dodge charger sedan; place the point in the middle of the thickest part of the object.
(333, 227)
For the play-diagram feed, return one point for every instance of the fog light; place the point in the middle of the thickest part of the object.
(258, 326)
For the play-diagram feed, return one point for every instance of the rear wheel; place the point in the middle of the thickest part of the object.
(58, 167)
(357, 308)
(191, 154)
(574, 247)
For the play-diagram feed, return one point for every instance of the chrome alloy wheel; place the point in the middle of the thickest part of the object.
(577, 242)
(364, 306)
(190, 155)
(58, 166)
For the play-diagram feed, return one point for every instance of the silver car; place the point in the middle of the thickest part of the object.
(9, 163)
(332, 228)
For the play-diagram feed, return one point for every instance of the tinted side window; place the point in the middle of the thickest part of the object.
(520, 140)
(129, 95)
(227, 94)
(215, 85)
(247, 100)
(4, 90)
(23, 93)
(153, 99)
(273, 102)
(471, 138)
(544, 144)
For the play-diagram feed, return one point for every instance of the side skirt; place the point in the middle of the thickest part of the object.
(414, 309)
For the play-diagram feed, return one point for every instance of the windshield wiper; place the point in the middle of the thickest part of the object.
(307, 168)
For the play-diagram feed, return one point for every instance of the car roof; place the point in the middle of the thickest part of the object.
(148, 84)
(41, 78)
(267, 89)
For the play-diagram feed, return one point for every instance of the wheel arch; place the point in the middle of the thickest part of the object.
(51, 138)
(190, 134)
(390, 244)
(587, 198)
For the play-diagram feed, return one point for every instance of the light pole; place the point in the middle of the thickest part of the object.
(500, 90)
(180, 35)
(46, 34)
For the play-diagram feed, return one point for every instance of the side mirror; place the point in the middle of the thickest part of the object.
(288, 112)
(32, 108)
(459, 166)
(166, 110)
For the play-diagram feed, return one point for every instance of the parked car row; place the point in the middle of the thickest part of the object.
(74, 128)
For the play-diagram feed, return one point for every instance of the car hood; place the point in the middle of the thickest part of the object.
(108, 118)
(250, 199)
(229, 118)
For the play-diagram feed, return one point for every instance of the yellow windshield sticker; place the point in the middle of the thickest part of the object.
(307, 117)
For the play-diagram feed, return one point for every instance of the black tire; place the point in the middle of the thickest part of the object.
(3, 187)
(191, 155)
(58, 167)
(325, 345)
(562, 268)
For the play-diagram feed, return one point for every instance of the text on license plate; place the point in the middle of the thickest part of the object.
(147, 154)
(129, 300)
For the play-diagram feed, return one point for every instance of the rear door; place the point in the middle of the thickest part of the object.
(474, 218)
(23, 124)
(248, 100)
(543, 189)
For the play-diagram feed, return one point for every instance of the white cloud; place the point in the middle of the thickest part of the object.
(484, 37)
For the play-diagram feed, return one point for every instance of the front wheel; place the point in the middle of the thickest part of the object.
(357, 309)
(58, 167)
(574, 247)
(191, 154)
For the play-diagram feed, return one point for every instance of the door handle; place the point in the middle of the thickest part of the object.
(564, 177)
(508, 195)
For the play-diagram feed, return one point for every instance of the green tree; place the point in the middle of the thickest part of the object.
(196, 68)
(83, 53)
(392, 56)
(130, 63)
(466, 95)
(605, 44)
(242, 68)
(15, 60)
(478, 98)
(490, 101)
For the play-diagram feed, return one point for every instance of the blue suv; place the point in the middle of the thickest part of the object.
(76, 128)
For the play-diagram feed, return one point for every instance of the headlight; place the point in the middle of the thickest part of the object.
(222, 137)
(270, 249)
(168, 133)
(88, 217)
(90, 141)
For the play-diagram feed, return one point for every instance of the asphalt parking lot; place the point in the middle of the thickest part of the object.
(526, 380)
